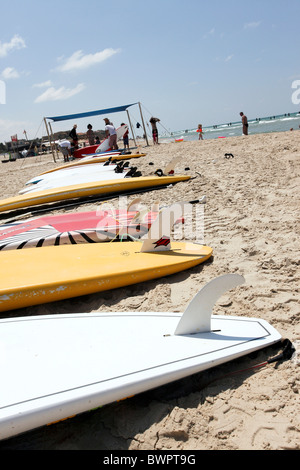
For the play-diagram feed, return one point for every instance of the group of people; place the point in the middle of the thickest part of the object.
(93, 140)
(66, 146)
(244, 124)
(111, 134)
(154, 120)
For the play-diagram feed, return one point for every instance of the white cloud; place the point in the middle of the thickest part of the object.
(62, 93)
(228, 58)
(79, 61)
(9, 73)
(42, 85)
(15, 43)
(253, 25)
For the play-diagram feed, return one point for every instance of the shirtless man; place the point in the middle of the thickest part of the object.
(153, 122)
(245, 123)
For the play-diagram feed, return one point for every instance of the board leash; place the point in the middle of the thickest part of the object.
(286, 354)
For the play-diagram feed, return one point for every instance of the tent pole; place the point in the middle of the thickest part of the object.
(50, 141)
(144, 125)
(52, 135)
(131, 126)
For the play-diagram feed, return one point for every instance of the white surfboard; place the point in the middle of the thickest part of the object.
(66, 172)
(97, 172)
(54, 367)
(101, 158)
(104, 146)
(84, 174)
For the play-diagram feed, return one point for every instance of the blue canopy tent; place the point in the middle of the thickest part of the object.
(91, 113)
(95, 113)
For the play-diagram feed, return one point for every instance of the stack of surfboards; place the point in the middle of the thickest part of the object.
(66, 271)
(98, 158)
(71, 176)
(41, 382)
(103, 182)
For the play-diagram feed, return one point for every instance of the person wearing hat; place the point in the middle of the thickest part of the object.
(111, 134)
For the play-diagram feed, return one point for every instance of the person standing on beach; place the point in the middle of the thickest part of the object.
(65, 147)
(153, 122)
(74, 136)
(125, 138)
(111, 134)
(245, 123)
(200, 130)
(90, 134)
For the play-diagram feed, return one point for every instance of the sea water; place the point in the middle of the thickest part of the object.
(280, 123)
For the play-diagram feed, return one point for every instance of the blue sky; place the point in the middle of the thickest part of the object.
(187, 62)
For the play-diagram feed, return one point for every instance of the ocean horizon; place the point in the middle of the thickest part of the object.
(279, 123)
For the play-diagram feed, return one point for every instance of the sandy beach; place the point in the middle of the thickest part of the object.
(251, 220)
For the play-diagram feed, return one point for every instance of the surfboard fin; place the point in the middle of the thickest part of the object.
(139, 217)
(170, 168)
(155, 207)
(158, 237)
(134, 205)
(197, 316)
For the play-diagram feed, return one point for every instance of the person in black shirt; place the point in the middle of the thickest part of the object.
(74, 136)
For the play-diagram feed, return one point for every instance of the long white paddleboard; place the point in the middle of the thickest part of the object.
(68, 172)
(54, 367)
(97, 188)
(96, 158)
(90, 173)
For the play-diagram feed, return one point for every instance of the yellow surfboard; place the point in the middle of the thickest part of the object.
(31, 277)
(88, 189)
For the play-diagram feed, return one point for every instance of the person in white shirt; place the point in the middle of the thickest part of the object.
(65, 148)
(111, 133)
(64, 143)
